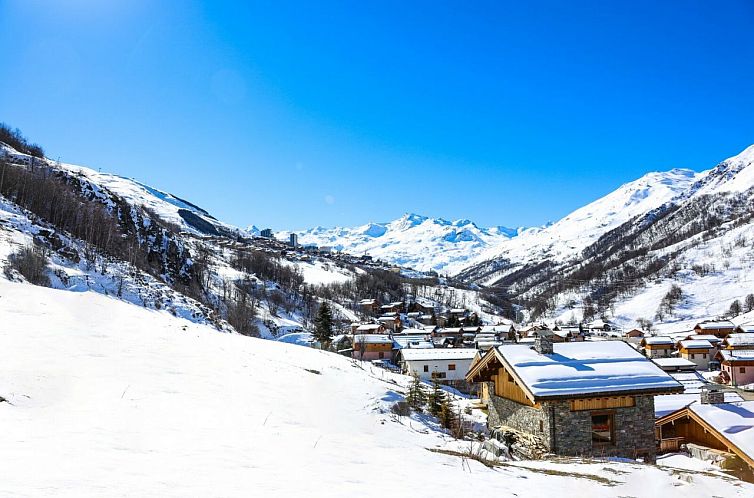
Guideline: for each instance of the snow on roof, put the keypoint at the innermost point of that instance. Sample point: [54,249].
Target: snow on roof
[450,330]
[669,403]
[696,344]
[659,340]
[438,354]
[720,324]
[368,326]
[673,362]
[372,339]
[746,328]
[584,368]
[457,310]
[744,339]
[713,339]
[737,355]
[732,420]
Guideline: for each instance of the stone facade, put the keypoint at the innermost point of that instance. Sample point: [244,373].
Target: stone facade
[569,433]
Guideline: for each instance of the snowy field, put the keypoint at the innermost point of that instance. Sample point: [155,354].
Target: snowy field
[110,399]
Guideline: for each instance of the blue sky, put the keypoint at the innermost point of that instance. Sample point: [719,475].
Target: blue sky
[299,114]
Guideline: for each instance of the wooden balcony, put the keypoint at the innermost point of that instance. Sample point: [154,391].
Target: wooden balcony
[671,444]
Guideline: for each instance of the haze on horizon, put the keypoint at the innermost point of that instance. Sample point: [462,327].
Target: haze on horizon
[293,115]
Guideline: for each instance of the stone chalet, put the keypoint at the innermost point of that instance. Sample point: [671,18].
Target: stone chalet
[577,399]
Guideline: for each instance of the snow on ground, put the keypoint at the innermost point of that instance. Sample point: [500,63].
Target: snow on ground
[110,399]
[320,273]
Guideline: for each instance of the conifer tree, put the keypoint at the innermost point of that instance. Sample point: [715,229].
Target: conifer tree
[323,325]
[446,415]
[435,398]
[416,396]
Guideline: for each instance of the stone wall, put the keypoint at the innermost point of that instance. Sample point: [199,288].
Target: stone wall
[567,432]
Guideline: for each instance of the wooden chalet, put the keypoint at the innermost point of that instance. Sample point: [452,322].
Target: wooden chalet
[576,398]
[369,347]
[738,341]
[711,424]
[719,328]
[657,346]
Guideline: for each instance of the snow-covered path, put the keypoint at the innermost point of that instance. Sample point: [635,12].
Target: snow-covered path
[110,399]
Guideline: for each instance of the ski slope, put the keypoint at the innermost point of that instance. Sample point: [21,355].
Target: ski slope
[105,398]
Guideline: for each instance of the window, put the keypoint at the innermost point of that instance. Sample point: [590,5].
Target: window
[541,426]
[742,370]
[438,375]
[692,356]
[704,356]
[510,378]
[602,428]
[426,368]
[382,355]
[451,366]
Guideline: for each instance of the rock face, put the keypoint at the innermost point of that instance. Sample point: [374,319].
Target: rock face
[559,430]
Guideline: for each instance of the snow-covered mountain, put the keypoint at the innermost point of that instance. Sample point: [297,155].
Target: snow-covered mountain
[620,255]
[568,237]
[413,240]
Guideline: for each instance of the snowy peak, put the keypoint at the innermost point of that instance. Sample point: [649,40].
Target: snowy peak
[413,240]
[735,174]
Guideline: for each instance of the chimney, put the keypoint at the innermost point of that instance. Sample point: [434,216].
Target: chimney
[543,342]
[712,396]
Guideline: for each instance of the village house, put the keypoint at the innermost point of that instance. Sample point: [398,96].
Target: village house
[576,399]
[745,328]
[738,341]
[712,430]
[394,307]
[658,346]
[719,328]
[369,328]
[447,337]
[634,334]
[369,306]
[391,322]
[448,366]
[369,347]
[697,351]
[736,366]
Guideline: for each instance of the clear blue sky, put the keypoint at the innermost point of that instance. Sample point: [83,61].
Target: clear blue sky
[299,114]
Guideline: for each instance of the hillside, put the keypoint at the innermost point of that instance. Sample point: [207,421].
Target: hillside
[697,233]
[108,398]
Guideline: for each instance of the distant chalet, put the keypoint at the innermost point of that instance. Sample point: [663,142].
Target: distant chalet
[578,399]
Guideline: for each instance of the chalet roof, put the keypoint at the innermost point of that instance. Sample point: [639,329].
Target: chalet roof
[411,343]
[581,369]
[389,318]
[438,354]
[715,324]
[736,355]
[495,329]
[450,330]
[456,311]
[713,339]
[746,328]
[372,339]
[671,403]
[673,363]
[696,344]
[368,327]
[365,302]
[734,340]
[731,420]
[658,341]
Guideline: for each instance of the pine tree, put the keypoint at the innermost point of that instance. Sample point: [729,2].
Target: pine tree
[323,325]
[435,398]
[416,397]
[446,415]
[749,302]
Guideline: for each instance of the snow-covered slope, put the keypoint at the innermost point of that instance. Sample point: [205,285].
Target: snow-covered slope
[413,241]
[566,238]
[168,207]
[109,399]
